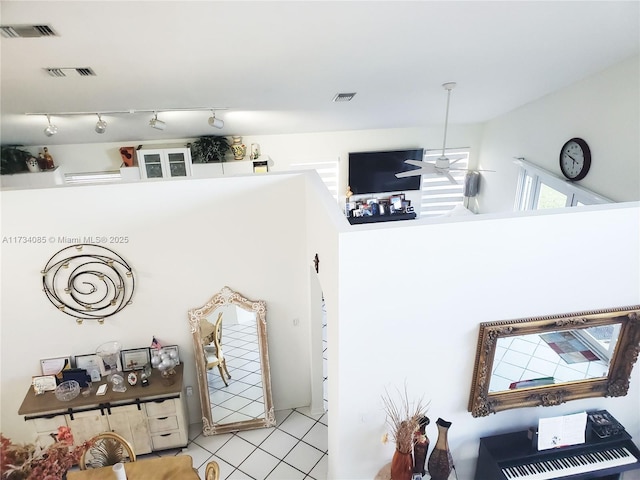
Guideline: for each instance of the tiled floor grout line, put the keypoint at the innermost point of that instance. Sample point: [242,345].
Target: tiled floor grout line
[298,439]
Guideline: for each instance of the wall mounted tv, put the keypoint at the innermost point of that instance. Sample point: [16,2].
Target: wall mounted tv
[374,172]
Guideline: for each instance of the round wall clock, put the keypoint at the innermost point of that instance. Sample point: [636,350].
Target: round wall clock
[575,159]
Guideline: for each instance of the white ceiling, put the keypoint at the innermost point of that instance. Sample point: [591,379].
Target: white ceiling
[276,66]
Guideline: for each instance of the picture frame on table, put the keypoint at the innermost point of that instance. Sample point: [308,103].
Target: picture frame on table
[43,383]
[54,366]
[135,358]
[107,368]
[92,364]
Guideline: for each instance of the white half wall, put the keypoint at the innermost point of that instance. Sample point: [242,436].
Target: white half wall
[412,296]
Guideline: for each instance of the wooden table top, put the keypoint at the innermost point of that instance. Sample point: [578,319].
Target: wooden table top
[160,468]
[48,403]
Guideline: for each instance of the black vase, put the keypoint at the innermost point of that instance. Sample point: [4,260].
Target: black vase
[440,461]
[420,447]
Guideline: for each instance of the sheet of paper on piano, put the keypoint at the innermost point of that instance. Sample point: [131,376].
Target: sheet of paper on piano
[562,431]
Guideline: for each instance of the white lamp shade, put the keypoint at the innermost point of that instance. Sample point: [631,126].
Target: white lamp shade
[216,122]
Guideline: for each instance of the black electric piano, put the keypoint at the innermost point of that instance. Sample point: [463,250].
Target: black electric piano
[513,456]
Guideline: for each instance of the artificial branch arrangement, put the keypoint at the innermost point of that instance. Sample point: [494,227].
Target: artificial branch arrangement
[403,419]
[33,462]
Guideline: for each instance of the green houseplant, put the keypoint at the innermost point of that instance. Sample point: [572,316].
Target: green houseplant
[13,159]
[211,148]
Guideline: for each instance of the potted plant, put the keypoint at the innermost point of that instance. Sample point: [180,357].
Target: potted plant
[211,148]
[13,159]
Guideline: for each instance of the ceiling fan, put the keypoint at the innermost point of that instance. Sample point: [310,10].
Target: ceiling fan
[443,164]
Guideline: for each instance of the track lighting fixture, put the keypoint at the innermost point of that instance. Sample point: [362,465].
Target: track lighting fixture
[155,123]
[215,122]
[101,125]
[51,129]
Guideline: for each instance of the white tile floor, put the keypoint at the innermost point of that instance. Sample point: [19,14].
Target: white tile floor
[296,449]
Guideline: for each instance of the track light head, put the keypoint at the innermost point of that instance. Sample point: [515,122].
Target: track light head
[51,129]
[215,122]
[101,125]
[157,124]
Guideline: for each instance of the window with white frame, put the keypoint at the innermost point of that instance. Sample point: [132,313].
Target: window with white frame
[439,195]
[539,189]
[328,172]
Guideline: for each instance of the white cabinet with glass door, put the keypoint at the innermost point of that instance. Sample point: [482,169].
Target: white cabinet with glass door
[164,162]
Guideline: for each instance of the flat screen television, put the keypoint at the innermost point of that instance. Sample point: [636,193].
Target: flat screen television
[374,172]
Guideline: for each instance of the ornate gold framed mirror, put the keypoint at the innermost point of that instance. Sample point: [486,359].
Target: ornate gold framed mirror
[545,361]
[232,361]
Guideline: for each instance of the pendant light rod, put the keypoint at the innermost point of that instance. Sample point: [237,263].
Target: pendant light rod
[448,87]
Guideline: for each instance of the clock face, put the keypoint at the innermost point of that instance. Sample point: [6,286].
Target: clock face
[575,159]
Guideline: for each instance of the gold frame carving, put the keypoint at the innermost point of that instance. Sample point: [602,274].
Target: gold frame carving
[615,384]
[226,296]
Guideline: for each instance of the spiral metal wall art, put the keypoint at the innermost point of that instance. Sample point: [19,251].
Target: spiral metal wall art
[88,282]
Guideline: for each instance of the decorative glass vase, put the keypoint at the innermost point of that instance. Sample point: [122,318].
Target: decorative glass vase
[401,465]
[109,352]
[440,461]
[238,148]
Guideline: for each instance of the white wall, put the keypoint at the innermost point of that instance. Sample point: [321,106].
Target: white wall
[603,109]
[187,239]
[411,299]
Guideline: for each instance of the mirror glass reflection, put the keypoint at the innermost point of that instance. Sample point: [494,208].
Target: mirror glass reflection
[235,392]
[230,344]
[553,357]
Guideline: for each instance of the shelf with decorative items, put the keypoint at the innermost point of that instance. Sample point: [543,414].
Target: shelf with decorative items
[151,417]
[245,166]
[21,169]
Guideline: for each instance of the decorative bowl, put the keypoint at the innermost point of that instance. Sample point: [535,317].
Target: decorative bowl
[67,391]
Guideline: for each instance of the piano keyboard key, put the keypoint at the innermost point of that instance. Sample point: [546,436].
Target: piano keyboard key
[571,465]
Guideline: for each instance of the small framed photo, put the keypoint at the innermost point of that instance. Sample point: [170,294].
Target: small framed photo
[43,383]
[107,369]
[92,364]
[260,166]
[135,358]
[55,366]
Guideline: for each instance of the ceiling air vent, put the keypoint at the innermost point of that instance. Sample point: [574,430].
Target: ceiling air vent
[64,72]
[27,31]
[344,97]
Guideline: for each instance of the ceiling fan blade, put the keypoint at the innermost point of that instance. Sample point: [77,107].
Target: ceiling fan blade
[456,158]
[411,173]
[417,163]
[451,179]
[472,169]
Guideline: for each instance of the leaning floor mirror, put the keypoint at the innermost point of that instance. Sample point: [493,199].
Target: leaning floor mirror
[232,362]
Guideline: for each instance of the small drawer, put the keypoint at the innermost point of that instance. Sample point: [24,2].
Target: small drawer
[167,440]
[45,425]
[163,424]
[161,407]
